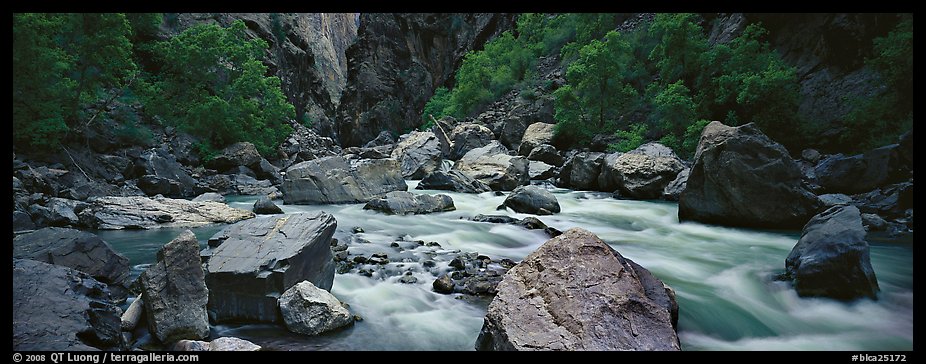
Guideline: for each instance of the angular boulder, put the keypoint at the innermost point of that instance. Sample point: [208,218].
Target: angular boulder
[674,189]
[466,137]
[238,154]
[418,154]
[546,153]
[452,181]
[310,310]
[740,177]
[220,344]
[174,292]
[859,173]
[832,257]
[138,212]
[577,293]
[642,173]
[255,261]
[532,200]
[264,206]
[581,171]
[540,170]
[493,166]
[333,180]
[535,134]
[163,171]
[58,308]
[403,203]
[75,249]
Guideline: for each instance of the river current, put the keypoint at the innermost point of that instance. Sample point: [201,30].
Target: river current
[723,277]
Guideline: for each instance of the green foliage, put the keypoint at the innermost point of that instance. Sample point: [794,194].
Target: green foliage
[437,107]
[680,47]
[588,27]
[486,75]
[691,138]
[277,27]
[629,139]
[212,85]
[674,109]
[878,121]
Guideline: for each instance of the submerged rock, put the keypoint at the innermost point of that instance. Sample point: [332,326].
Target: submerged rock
[452,181]
[310,310]
[532,200]
[740,177]
[256,260]
[137,212]
[174,292]
[577,293]
[74,249]
[832,257]
[58,308]
[333,180]
[402,203]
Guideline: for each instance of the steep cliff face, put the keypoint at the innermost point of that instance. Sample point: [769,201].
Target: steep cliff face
[829,52]
[306,52]
[397,62]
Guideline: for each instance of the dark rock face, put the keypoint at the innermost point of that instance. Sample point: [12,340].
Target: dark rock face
[257,260]
[403,203]
[58,308]
[577,293]
[335,180]
[466,137]
[581,171]
[674,189]
[546,153]
[264,206]
[310,310]
[452,181]
[642,173]
[114,213]
[740,177]
[162,173]
[22,222]
[397,63]
[859,173]
[384,138]
[418,154]
[890,201]
[532,200]
[493,166]
[305,144]
[529,223]
[75,249]
[174,292]
[832,257]
[238,154]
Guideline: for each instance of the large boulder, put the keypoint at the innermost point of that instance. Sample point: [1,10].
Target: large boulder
[452,181]
[577,293]
[642,173]
[310,310]
[174,292]
[257,260]
[335,180]
[546,153]
[860,173]
[58,308]
[238,154]
[832,257]
[493,166]
[403,203]
[418,154]
[264,206]
[466,137]
[580,172]
[532,200]
[75,249]
[137,212]
[220,344]
[535,134]
[164,174]
[740,177]
[539,170]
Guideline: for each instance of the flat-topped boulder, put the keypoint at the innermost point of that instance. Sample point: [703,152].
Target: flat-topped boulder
[333,180]
[403,203]
[75,249]
[138,212]
[255,261]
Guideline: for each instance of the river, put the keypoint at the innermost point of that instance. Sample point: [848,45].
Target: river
[723,278]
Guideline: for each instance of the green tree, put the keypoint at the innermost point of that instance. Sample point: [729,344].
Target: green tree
[438,106]
[674,109]
[212,85]
[681,46]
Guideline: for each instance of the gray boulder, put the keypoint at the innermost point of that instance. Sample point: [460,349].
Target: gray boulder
[535,134]
[22,222]
[859,173]
[75,249]
[174,292]
[137,212]
[832,257]
[418,154]
[532,200]
[740,177]
[164,172]
[546,153]
[452,181]
[264,206]
[493,166]
[56,212]
[335,180]
[58,308]
[642,173]
[577,293]
[238,154]
[580,172]
[256,260]
[466,137]
[403,203]
[674,189]
[210,197]
[309,310]
[220,344]
[155,185]
[540,170]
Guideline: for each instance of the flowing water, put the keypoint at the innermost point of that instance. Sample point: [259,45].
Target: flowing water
[723,278]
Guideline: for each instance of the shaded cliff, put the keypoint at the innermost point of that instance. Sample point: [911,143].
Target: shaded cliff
[397,62]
